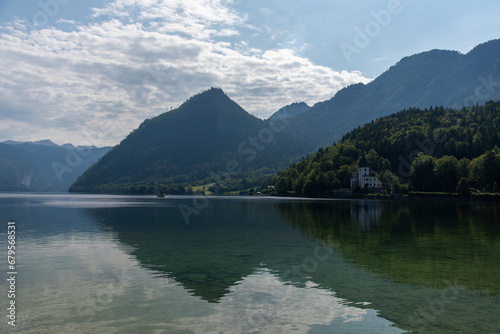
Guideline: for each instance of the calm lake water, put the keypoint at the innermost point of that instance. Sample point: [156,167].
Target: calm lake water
[126,264]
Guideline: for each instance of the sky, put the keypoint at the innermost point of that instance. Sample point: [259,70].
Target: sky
[88,72]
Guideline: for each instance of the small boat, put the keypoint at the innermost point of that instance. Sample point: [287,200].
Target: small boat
[160,194]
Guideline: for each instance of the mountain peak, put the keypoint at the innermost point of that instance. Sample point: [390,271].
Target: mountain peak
[212,103]
[216,90]
[209,93]
[207,135]
[46,142]
[487,47]
[433,57]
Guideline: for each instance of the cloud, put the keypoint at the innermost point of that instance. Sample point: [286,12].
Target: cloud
[93,82]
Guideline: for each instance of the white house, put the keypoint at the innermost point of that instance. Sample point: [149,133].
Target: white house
[366,179]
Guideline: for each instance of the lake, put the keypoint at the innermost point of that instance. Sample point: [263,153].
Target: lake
[139,264]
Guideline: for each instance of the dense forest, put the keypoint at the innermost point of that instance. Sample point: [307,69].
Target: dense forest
[430,150]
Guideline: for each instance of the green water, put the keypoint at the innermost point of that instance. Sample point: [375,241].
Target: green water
[125,264]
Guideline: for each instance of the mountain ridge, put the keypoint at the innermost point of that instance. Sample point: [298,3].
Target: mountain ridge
[431,78]
[191,144]
[209,132]
[43,165]
[290,110]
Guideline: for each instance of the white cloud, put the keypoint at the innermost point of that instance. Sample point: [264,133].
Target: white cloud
[137,58]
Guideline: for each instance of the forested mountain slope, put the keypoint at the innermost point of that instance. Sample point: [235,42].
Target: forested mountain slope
[428,150]
[207,139]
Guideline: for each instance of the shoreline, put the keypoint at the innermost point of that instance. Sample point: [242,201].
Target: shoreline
[411,196]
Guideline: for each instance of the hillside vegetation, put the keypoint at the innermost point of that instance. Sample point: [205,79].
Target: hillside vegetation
[415,149]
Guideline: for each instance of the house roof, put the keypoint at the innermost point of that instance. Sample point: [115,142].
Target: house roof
[363,162]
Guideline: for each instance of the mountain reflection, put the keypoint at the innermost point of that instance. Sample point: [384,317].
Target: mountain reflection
[395,257]
[216,250]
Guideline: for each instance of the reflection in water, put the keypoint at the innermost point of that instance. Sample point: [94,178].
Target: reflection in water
[366,213]
[266,304]
[440,259]
[256,265]
[83,271]
[412,243]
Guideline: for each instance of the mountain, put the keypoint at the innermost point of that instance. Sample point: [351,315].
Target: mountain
[290,111]
[433,78]
[425,150]
[208,139]
[212,140]
[43,165]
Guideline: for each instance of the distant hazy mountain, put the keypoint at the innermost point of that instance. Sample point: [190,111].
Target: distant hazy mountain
[208,139]
[290,111]
[433,78]
[43,165]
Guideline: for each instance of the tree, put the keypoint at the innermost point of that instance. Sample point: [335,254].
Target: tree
[476,173]
[463,187]
[372,157]
[344,175]
[491,167]
[447,173]
[298,184]
[389,181]
[484,170]
[422,177]
[282,185]
[464,167]
[383,164]
[311,186]
[332,182]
